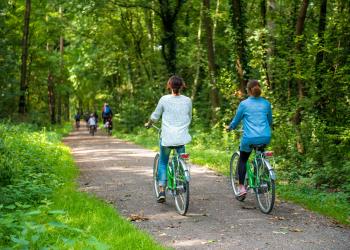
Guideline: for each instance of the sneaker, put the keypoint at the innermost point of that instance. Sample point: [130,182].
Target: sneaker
[161,197]
[242,190]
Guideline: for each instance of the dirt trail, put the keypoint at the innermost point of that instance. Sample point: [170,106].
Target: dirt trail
[121,173]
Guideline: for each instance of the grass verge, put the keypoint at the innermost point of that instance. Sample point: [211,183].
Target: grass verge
[333,205]
[40,206]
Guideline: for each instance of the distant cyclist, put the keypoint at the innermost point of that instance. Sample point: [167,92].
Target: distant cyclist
[256,114]
[109,125]
[92,122]
[77,120]
[106,112]
[176,112]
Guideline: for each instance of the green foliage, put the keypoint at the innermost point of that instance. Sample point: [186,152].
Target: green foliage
[40,207]
[334,205]
[114,52]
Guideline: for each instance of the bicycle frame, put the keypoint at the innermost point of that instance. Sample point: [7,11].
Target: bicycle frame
[174,161]
[172,165]
[252,170]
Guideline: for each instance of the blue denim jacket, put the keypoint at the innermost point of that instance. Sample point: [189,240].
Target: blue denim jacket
[256,114]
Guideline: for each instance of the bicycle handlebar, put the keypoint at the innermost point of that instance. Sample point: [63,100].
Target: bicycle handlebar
[154,126]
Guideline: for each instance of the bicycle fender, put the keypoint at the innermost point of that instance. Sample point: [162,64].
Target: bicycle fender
[187,171]
[271,170]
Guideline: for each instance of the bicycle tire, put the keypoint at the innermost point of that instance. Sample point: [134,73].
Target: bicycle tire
[234,179]
[92,130]
[265,192]
[155,175]
[182,194]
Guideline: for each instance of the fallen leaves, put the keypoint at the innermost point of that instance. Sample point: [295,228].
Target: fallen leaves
[278,218]
[296,230]
[286,229]
[137,217]
[248,207]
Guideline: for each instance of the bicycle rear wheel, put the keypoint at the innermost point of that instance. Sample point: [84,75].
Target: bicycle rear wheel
[182,194]
[265,191]
[92,130]
[234,176]
[155,175]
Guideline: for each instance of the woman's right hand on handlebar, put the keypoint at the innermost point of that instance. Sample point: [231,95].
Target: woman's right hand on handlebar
[148,124]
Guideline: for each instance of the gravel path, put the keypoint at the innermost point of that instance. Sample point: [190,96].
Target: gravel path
[121,173]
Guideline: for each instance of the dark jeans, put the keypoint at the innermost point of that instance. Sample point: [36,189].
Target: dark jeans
[243,158]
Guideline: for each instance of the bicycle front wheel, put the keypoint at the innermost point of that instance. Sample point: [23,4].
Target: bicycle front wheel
[182,194]
[155,175]
[265,191]
[234,178]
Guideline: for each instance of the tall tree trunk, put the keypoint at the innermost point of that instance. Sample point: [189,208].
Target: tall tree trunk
[214,93]
[271,47]
[299,32]
[320,56]
[66,107]
[215,20]
[298,115]
[149,17]
[51,95]
[199,55]
[238,23]
[321,31]
[149,24]
[60,92]
[169,14]
[264,42]
[290,41]
[51,87]
[23,83]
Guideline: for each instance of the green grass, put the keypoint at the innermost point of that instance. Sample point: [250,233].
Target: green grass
[40,206]
[333,205]
[101,224]
[98,220]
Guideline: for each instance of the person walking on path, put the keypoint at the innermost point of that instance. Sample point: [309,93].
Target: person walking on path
[176,112]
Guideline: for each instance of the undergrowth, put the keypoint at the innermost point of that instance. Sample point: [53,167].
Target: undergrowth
[40,207]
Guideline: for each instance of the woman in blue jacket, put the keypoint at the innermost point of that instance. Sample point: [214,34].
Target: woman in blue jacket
[256,114]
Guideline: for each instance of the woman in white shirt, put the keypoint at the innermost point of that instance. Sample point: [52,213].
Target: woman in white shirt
[176,112]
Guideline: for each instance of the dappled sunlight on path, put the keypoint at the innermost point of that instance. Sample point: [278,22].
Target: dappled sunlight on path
[121,173]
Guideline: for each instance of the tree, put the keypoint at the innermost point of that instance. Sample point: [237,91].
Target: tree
[23,83]
[169,14]
[298,47]
[214,93]
[241,59]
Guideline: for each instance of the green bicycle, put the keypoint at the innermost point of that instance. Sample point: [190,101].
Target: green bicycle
[178,178]
[260,177]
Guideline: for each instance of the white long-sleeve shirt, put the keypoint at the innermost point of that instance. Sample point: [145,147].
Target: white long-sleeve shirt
[92,121]
[176,112]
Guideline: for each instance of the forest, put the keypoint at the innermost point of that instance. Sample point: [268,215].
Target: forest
[58,58]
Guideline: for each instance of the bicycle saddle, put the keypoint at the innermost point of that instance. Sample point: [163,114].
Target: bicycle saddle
[258,147]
